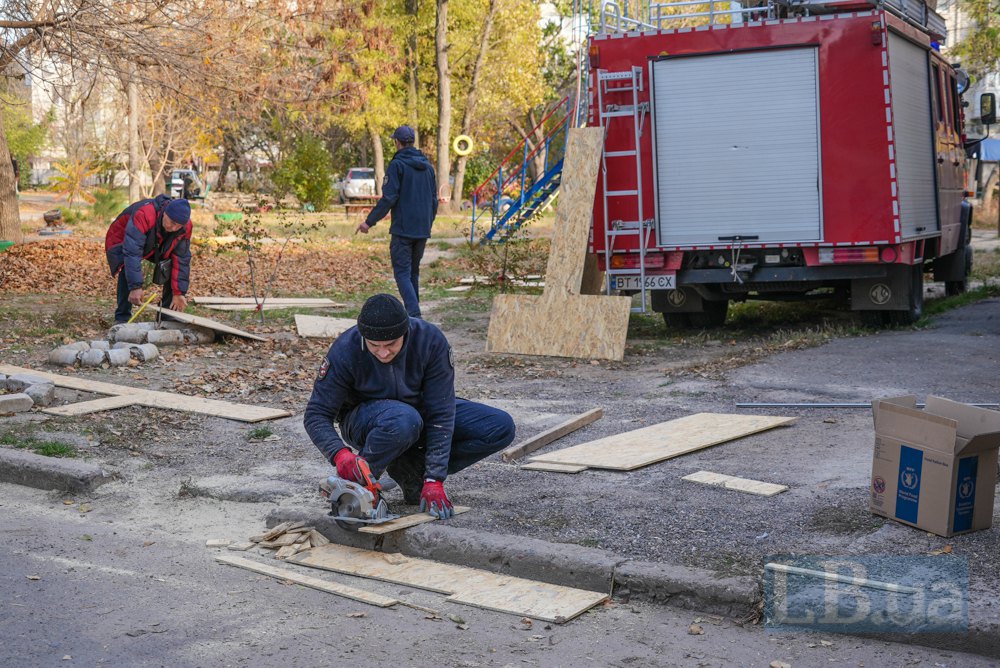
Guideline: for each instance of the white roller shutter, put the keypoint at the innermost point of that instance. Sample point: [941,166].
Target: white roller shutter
[737,147]
[914,138]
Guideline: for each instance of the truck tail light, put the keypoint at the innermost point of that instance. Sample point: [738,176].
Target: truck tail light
[631,261]
[848,255]
[877,33]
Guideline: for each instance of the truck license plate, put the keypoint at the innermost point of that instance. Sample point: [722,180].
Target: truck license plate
[657,282]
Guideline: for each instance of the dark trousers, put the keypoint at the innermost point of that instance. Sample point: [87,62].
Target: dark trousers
[124,310]
[406,254]
[384,429]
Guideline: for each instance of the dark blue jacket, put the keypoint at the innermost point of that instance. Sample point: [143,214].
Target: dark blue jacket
[421,375]
[410,193]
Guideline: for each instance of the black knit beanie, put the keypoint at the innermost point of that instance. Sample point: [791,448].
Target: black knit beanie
[383,318]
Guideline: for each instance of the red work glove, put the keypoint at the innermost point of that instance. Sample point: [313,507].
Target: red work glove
[347,464]
[434,500]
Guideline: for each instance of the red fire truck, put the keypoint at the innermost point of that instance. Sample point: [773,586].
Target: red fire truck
[786,151]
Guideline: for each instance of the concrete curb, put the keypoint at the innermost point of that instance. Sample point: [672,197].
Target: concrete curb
[31,470]
[556,563]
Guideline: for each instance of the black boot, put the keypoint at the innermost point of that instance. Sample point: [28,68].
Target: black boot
[408,471]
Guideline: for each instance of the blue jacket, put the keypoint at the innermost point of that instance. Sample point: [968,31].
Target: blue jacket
[409,191]
[421,375]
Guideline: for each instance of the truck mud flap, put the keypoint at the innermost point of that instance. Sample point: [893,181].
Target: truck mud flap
[887,293]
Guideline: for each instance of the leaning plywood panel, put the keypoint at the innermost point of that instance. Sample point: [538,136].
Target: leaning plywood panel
[405,522]
[642,447]
[550,603]
[320,327]
[205,322]
[309,581]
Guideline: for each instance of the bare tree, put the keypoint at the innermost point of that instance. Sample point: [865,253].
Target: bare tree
[444,97]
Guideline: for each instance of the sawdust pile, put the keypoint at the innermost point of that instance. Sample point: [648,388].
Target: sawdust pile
[77,267]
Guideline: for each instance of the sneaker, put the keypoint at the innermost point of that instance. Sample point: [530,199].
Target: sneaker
[408,472]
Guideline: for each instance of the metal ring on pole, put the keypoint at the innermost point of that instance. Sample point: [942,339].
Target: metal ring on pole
[462,145]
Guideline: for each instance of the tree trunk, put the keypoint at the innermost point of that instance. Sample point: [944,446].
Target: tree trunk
[412,10]
[444,100]
[134,186]
[379,158]
[470,101]
[156,165]
[10,217]
[220,182]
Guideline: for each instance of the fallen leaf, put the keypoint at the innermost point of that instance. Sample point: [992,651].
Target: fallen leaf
[780,664]
[695,630]
[357,614]
[148,543]
[34,577]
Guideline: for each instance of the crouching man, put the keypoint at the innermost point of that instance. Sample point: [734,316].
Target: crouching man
[389,385]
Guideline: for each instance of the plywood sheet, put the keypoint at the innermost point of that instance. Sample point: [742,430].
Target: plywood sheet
[581,326]
[739,484]
[95,406]
[205,322]
[549,435]
[642,447]
[73,382]
[309,581]
[319,301]
[465,585]
[405,522]
[321,327]
[266,307]
[554,468]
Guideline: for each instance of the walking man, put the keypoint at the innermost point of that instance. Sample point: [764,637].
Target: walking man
[409,193]
[389,385]
[157,230]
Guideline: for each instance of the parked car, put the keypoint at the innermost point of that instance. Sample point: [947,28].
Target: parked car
[358,184]
[185,183]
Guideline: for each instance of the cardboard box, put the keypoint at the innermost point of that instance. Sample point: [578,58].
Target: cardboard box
[936,468]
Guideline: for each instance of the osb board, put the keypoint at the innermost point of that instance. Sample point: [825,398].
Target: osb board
[577,188]
[593,277]
[94,406]
[319,301]
[252,307]
[205,322]
[554,468]
[156,399]
[582,326]
[470,586]
[642,447]
[320,327]
[739,484]
[539,441]
[309,581]
[405,522]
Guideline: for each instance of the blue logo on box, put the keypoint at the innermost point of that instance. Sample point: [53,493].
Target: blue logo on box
[911,462]
[866,594]
[965,493]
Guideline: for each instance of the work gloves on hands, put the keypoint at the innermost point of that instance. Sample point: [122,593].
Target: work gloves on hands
[347,464]
[434,500]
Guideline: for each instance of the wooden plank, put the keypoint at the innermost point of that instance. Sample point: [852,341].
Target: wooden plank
[205,322]
[563,321]
[93,406]
[470,586]
[405,522]
[554,468]
[738,484]
[320,327]
[157,399]
[532,599]
[550,435]
[319,301]
[659,442]
[352,593]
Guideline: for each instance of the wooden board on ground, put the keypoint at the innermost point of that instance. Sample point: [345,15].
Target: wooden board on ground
[471,586]
[266,307]
[666,440]
[563,321]
[554,468]
[205,322]
[309,581]
[319,301]
[151,398]
[739,484]
[405,522]
[550,435]
[321,327]
[94,406]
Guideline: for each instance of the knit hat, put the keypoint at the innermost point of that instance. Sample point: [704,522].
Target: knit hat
[178,210]
[383,318]
[405,134]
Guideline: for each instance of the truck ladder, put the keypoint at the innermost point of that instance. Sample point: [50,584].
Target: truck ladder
[628,81]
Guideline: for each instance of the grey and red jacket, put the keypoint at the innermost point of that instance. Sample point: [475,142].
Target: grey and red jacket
[137,234]
[421,375]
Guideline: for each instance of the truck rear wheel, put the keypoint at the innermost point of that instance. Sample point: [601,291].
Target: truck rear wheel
[915,308]
[952,288]
[712,315]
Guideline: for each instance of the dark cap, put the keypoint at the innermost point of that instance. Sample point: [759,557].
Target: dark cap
[178,210]
[405,134]
[383,318]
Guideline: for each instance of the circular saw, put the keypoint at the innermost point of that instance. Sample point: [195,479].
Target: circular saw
[354,504]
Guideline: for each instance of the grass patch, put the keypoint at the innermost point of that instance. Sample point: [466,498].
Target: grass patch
[39,446]
[939,306]
[260,433]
